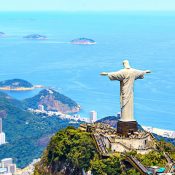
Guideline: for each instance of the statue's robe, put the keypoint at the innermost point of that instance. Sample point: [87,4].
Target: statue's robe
[127,78]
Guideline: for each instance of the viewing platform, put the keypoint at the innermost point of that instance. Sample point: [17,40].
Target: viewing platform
[108,141]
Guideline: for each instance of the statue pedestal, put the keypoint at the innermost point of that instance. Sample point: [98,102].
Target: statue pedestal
[127,127]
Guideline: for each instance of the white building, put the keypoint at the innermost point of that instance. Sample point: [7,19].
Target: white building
[2,138]
[93,116]
[5,162]
[0,125]
[2,134]
[41,107]
[7,167]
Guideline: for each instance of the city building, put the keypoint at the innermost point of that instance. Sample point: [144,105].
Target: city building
[2,134]
[93,116]
[0,125]
[7,167]
[41,107]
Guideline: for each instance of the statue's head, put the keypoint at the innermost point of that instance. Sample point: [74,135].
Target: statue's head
[126,64]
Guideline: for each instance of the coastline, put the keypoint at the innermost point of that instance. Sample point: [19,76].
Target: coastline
[161,132]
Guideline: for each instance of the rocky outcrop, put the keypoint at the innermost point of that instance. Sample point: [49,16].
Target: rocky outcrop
[52,101]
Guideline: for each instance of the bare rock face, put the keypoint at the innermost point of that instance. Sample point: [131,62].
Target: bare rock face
[53,101]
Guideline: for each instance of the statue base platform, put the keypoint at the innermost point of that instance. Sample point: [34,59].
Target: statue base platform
[127,127]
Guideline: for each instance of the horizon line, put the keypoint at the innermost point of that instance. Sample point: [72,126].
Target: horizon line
[85,11]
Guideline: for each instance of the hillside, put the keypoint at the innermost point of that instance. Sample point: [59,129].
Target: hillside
[111,120]
[71,150]
[52,101]
[27,135]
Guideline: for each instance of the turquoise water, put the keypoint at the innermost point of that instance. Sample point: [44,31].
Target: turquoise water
[146,39]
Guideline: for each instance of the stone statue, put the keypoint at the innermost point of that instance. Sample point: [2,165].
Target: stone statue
[126,76]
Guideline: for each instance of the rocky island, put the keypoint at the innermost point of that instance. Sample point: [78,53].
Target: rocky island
[83,41]
[52,100]
[17,85]
[35,37]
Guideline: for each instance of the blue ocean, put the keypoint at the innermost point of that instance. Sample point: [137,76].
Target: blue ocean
[147,40]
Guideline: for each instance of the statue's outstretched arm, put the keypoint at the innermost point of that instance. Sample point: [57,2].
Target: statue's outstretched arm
[147,71]
[104,73]
[119,75]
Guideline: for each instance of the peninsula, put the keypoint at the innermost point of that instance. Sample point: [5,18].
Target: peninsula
[83,41]
[53,101]
[17,85]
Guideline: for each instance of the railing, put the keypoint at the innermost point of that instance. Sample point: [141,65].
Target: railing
[99,144]
[170,164]
[135,163]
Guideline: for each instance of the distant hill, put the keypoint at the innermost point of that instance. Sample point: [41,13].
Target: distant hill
[83,41]
[111,120]
[35,37]
[27,135]
[52,101]
[17,85]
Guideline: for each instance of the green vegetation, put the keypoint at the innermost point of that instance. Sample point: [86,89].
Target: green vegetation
[109,166]
[27,135]
[15,83]
[72,150]
[132,171]
[153,158]
[164,146]
[69,149]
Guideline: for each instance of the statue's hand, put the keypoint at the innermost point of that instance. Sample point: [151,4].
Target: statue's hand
[104,73]
[147,71]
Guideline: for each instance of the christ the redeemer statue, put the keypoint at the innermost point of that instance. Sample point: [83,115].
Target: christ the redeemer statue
[126,76]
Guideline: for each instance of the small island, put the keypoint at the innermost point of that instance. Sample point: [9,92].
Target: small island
[83,41]
[17,85]
[2,34]
[35,37]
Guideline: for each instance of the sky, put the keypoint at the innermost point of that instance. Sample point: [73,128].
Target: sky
[87,5]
